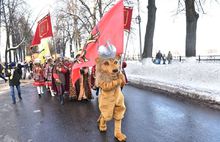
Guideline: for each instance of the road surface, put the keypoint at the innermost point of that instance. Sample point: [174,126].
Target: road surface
[150,117]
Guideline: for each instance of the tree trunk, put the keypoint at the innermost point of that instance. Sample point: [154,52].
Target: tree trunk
[148,43]
[24,54]
[100,8]
[71,45]
[191,26]
[7,51]
[94,13]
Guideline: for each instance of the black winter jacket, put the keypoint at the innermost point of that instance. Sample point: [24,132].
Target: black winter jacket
[14,77]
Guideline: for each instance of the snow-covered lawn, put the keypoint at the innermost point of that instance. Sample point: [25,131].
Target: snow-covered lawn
[189,78]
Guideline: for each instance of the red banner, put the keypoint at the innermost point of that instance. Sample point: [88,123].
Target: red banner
[127,18]
[44,30]
[109,29]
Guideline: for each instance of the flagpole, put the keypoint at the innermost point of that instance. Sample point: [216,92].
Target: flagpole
[126,45]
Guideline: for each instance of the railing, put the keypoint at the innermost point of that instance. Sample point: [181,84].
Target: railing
[209,58]
[199,58]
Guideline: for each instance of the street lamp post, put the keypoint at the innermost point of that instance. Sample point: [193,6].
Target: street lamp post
[138,19]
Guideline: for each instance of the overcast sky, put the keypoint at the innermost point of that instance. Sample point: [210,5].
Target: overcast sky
[169,29]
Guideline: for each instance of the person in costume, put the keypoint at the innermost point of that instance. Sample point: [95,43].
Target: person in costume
[94,87]
[124,65]
[59,79]
[48,75]
[75,88]
[38,75]
[110,79]
[72,89]
[85,85]
[67,66]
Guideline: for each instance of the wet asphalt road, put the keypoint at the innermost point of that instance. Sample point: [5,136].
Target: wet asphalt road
[150,117]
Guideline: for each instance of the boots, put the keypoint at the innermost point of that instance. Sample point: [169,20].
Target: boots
[39,96]
[117,132]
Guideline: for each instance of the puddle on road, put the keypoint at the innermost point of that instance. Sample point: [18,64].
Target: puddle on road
[36,111]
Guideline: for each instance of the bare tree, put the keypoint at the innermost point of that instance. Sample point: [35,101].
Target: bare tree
[15,21]
[149,35]
[192,9]
[191,27]
[79,17]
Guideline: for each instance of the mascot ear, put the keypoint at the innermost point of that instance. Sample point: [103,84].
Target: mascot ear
[97,60]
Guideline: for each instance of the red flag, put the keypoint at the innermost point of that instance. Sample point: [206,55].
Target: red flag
[44,30]
[36,39]
[127,18]
[109,29]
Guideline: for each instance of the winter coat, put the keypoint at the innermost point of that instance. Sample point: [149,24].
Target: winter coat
[14,76]
[169,57]
[159,56]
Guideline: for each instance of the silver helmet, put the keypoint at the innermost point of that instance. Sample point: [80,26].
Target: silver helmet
[107,51]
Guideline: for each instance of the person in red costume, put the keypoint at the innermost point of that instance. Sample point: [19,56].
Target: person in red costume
[68,66]
[48,75]
[94,87]
[85,85]
[59,72]
[124,65]
[74,89]
[38,75]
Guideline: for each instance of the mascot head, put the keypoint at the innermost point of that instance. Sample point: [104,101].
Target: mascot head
[107,62]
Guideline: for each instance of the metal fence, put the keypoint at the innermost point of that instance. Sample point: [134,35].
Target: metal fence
[199,58]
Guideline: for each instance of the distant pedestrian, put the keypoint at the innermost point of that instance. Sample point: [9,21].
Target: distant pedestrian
[14,74]
[158,57]
[30,69]
[169,57]
[24,69]
[164,59]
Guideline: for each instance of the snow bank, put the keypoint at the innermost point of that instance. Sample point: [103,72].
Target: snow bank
[190,78]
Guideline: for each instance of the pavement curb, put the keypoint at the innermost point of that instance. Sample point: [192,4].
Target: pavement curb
[5,86]
[180,93]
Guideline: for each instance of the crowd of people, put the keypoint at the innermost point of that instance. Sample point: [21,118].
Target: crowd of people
[52,77]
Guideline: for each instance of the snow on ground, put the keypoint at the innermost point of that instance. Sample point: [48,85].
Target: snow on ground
[189,78]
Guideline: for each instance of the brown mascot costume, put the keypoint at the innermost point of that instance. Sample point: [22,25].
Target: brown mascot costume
[110,80]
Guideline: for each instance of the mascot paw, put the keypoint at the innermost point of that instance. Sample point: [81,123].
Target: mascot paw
[120,137]
[102,128]
[102,124]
